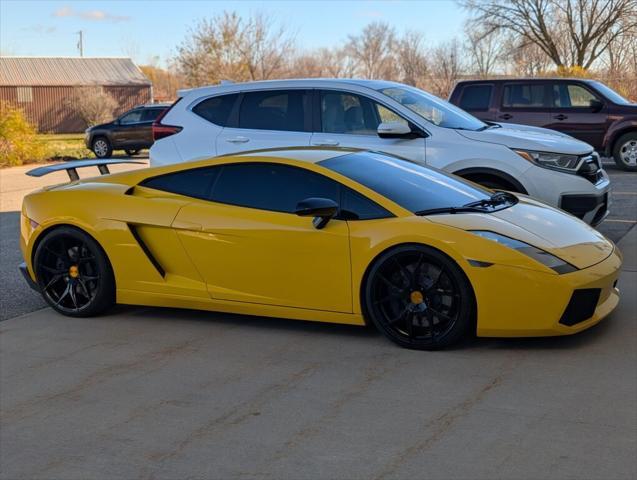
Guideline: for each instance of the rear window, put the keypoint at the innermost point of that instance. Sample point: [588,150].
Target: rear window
[523,95]
[196,183]
[476,97]
[216,109]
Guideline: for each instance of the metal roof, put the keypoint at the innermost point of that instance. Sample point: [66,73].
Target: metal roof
[69,71]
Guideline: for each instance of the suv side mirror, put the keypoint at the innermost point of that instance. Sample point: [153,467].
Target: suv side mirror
[322,209]
[394,130]
[596,105]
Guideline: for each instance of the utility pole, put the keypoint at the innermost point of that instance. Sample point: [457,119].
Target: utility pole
[80,43]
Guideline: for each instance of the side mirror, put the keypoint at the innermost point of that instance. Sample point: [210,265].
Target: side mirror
[596,105]
[322,209]
[393,130]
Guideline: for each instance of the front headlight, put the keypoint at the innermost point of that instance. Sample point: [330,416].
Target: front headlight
[557,161]
[545,258]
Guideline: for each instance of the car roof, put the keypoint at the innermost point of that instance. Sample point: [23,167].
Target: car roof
[526,79]
[289,83]
[304,154]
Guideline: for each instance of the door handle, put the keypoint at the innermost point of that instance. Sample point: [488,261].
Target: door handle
[561,117]
[326,143]
[506,116]
[238,139]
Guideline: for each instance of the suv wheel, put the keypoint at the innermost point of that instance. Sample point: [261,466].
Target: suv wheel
[131,152]
[102,147]
[625,151]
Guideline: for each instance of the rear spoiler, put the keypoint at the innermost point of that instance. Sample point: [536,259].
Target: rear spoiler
[71,167]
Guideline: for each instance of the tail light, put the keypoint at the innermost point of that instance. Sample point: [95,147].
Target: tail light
[162,131]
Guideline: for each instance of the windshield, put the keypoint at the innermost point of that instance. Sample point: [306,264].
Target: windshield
[611,94]
[411,186]
[433,109]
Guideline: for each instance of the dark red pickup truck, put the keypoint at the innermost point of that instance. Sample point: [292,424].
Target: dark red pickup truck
[585,109]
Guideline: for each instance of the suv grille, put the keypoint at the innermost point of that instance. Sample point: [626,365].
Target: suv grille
[591,169]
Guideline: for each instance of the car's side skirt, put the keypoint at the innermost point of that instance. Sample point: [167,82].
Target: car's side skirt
[135,297]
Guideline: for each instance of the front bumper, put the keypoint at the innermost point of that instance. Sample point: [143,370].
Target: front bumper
[27,276]
[591,208]
[534,304]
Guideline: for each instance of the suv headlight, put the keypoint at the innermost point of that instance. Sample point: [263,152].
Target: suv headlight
[556,161]
[545,258]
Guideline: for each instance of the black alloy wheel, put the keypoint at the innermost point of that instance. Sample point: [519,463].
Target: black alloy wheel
[419,298]
[73,273]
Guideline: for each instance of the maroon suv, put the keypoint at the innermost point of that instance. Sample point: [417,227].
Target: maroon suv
[586,109]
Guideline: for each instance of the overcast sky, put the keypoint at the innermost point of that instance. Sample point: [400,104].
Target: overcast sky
[147,29]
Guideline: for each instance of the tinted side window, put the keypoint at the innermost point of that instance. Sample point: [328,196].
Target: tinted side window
[151,114]
[269,186]
[570,95]
[196,183]
[523,96]
[343,112]
[274,110]
[131,117]
[476,97]
[216,109]
[357,207]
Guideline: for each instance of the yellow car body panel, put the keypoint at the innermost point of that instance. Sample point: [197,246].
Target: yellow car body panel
[233,259]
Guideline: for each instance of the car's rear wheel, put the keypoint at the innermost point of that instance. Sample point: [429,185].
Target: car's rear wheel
[101,147]
[130,152]
[419,298]
[73,273]
[625,151]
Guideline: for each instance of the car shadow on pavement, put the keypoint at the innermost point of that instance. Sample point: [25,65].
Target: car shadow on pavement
[255,323]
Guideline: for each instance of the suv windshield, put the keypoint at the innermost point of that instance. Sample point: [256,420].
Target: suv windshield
[611,94]
[421,190]
[434,110]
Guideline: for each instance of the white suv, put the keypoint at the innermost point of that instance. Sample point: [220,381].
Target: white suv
[388,117]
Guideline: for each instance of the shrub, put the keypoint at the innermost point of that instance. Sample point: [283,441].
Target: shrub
[18,138]
[93,105]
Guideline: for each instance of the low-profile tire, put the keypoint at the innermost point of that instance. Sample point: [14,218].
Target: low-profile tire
[101,147]
[73,273]
[625,152]
[419,298]
[130,152]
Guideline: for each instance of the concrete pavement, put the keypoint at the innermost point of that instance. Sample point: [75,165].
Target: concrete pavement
[151,393]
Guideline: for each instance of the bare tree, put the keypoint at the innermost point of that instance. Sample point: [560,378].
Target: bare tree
[446,67]
[373,51]
[228,47]
[486,49]
[411,58]
[572,33]
[93,105]
[525,59]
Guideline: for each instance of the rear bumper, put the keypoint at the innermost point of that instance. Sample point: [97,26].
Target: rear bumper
[27,276]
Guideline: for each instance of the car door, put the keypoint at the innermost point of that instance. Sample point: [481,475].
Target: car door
[346,119]
[476,99]
[525,103]
[126,133]
[250,246]
[268,119]
[579,112]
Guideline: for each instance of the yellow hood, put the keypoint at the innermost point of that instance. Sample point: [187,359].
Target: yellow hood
[543,227]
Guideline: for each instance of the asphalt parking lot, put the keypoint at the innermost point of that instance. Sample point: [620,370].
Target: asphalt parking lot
[163,393]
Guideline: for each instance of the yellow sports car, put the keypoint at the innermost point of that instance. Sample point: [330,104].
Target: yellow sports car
[328,235]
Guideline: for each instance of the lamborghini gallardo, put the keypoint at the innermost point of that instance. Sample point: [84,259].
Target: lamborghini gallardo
[329,235]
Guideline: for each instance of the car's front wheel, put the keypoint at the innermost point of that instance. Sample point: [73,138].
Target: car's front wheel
[101,147]
[625,151]
[73,273]
[419,298]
